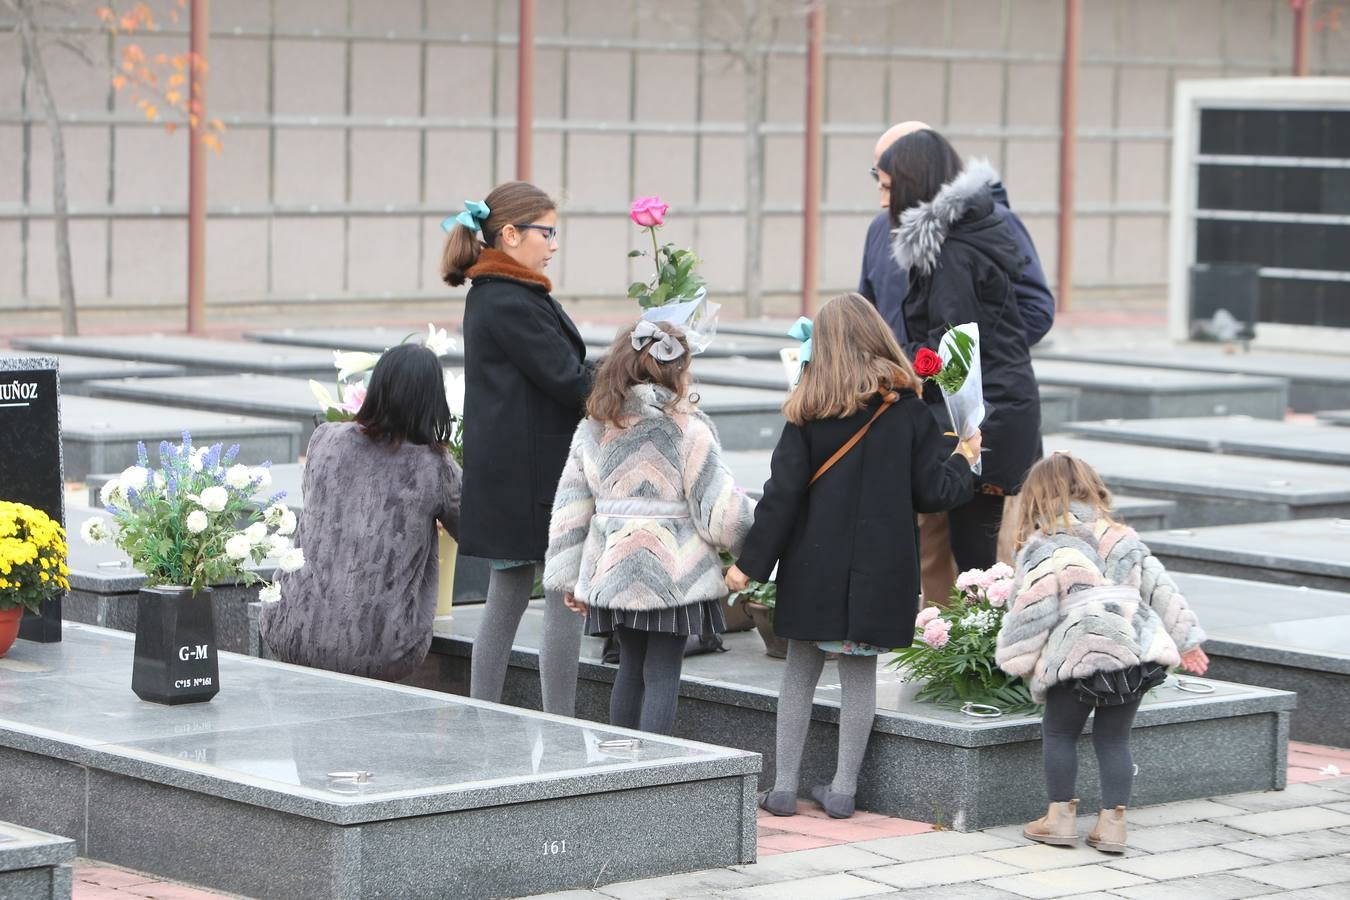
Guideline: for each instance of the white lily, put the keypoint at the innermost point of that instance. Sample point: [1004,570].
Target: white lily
[353,362]
[454,393]
[438,341]
[321,394]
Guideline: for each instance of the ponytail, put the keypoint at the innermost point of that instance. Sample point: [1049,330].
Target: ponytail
[461,252]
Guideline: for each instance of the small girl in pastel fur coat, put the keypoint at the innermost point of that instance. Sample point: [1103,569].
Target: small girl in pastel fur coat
[642,509]
[1095,622]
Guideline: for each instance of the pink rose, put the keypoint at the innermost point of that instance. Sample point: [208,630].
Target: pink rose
[352,398]
[994,573]
[999,593]
[971,578]
[648,212]
[926,615]
[937,633]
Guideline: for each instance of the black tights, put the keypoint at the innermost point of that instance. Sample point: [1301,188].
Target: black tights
[973,527]
[647,687]
[1065,716]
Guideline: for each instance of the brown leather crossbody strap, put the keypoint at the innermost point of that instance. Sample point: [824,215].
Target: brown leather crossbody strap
[886,404]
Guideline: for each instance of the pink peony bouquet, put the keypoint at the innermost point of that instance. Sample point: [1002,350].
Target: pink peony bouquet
[953,649]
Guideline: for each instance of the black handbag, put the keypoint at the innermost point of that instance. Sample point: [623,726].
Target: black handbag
[1120,687]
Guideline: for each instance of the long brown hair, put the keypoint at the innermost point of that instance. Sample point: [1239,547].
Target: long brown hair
[853,355]
[1051,486]
[624,367]
[513,203]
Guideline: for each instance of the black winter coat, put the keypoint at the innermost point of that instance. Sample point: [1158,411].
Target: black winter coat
[846,547]
[525,386]
[961,255]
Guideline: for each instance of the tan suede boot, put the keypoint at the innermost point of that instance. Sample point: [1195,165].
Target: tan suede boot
[1109,834]
[1059,825]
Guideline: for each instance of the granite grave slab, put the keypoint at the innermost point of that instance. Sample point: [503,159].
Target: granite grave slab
[197,355]
[770,328]
[372,339]
[724,346]
[751,468]
[1291,638]
[1308,553]
[1188,745]
[328,786]
[101,435]
[746,419]
[77,371]
[1335,417]
[1315,381]
[34,865]
[1216,489]
[1132,392]
[1241,435]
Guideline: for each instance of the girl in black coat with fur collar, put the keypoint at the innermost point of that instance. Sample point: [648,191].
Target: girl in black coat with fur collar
[841,530]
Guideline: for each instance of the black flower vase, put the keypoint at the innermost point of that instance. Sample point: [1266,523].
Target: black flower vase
[175,658]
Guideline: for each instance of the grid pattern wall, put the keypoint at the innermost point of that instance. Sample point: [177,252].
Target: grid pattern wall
[355,125]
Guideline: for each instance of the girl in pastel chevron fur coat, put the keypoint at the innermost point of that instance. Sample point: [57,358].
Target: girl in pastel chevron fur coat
[1095,622]
[643,507]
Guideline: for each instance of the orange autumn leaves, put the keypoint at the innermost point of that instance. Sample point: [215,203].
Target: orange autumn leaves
[165,87]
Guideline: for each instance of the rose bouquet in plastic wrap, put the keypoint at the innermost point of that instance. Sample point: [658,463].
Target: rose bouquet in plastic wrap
[676,293]
[953,649]
[955,368]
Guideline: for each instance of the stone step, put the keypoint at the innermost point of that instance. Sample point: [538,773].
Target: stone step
[35,865]
[1241,435]
[100,435]
[732,698]
[338,787]
[1216,489]
[1304,553]
[1315,381]
[1125,392]
[199,356]
[1290,638]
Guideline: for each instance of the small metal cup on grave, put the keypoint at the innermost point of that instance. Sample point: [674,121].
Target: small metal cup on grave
[30,458]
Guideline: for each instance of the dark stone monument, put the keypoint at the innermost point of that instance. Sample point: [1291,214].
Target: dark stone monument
[30,458]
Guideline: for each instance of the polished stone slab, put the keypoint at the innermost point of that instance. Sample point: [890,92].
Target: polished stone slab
[1188,745]
[76,371]
[459,798]
[100,435]
[34,865]
[1316,381]
[1241,435]
[769,328]
[371,339]
[1309,553]
[723,346]
[1216,489]
[197,355]
[1294,639]
[751,469]
[745,418]
[1335,417]
[1058,405]
[1129,392]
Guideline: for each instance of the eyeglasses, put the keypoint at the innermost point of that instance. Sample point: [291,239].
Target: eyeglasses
[549,231]
[876,175]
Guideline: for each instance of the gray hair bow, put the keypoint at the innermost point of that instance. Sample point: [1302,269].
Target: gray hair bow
[664,347]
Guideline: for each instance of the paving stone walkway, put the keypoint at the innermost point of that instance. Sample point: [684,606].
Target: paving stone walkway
[1293,843]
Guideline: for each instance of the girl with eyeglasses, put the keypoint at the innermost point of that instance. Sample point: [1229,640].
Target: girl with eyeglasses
[526,381]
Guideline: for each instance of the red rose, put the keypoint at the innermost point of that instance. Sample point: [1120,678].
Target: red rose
[927,363]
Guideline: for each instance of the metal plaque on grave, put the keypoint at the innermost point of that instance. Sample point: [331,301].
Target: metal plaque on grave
[30,458]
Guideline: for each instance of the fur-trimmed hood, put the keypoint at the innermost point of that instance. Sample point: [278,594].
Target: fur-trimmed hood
[963,207]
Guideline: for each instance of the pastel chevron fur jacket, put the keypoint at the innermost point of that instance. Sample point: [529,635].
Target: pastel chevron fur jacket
[641,511]
[1048,637]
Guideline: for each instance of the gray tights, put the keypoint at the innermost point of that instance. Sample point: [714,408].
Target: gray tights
[647,687]
[1064,719]
[858,705]
[508,596]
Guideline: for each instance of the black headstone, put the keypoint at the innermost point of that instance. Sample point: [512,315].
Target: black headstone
[30,458]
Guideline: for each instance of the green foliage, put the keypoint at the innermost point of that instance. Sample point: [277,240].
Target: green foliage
[953,374]
[675,280]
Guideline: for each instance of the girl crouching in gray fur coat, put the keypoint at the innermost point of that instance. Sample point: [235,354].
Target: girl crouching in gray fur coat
[642,508]
[1095,623]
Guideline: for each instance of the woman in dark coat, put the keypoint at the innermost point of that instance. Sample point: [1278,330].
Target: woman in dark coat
[525,385]
[961,256]
[848,567]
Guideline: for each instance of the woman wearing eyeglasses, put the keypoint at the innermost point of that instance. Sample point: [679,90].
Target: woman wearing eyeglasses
[526,381]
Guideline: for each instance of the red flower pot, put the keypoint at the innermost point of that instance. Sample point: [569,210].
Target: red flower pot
[9,627]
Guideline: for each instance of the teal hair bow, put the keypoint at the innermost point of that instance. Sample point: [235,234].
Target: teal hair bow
[801,330]
[474,212]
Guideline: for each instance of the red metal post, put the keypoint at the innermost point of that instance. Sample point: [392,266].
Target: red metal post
[525,93]
[196,264]
[1300,37]
[815,87]
[1068,123]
